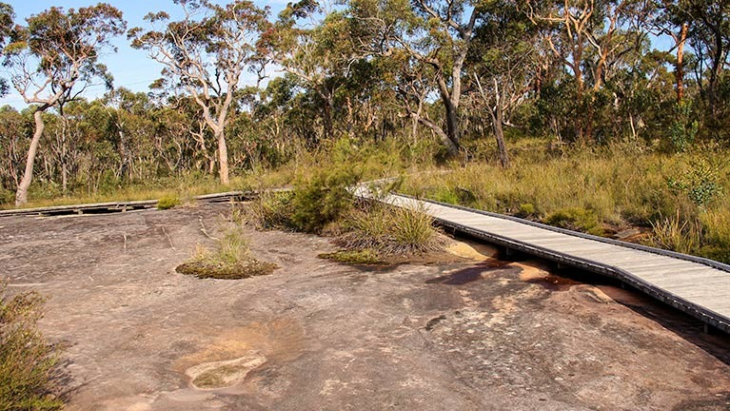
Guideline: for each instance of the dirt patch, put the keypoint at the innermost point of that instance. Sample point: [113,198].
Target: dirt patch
[469,333]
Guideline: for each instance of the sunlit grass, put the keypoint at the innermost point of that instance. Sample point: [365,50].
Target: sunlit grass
[600,191]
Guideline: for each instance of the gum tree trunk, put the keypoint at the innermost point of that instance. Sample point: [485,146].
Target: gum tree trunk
[222,157]
[21,196]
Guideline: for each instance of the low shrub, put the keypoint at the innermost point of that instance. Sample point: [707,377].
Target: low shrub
[700,182]
[526,210]
[167,202]
[577,219]
[27,361]
[322,198]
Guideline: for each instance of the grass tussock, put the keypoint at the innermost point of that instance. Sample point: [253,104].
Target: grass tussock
[270,211]
[27,361]
[386,230]
[231,260]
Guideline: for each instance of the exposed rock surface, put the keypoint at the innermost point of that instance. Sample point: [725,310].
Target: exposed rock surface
[316,335]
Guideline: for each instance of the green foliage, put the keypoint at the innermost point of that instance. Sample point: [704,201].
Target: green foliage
[168,202]
[6,196]
[526,210]
[700,183]
[684,127]
[27,361]
[578,219]
[231,260]
[445,195]
[323,198]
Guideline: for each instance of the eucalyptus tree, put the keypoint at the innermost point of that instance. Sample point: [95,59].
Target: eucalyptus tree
[206,54]
[709,38]
[53,58]
[592,38]
[315,44]
[6,24]
[432,38]
[505,67]
[671,21]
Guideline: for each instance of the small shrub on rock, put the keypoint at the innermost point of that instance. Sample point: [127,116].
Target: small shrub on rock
[168,202]
[323,198]
[27,361]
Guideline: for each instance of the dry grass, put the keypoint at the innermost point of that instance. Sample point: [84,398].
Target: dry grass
[389,231]
[600,190]
[271,210]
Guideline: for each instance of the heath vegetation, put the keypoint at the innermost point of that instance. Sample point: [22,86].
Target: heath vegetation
[29,364]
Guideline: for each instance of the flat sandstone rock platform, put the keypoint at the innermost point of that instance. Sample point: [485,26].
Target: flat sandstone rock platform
[317,335]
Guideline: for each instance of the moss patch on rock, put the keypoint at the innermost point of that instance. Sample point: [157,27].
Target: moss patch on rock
[250,268]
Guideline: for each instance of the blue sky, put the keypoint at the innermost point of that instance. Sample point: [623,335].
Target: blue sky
[131,68]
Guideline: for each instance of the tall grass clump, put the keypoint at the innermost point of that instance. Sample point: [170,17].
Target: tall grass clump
[27,361]
[230,260]
[675,234]
[389,231]
[271,210]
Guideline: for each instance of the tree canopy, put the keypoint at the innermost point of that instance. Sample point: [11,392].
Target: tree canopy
[450,73]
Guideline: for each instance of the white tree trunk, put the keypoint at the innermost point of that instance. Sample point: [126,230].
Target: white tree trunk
[21,196]
[222,157]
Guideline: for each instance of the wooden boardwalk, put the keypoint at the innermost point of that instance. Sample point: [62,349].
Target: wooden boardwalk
[697,286]
[117,206]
